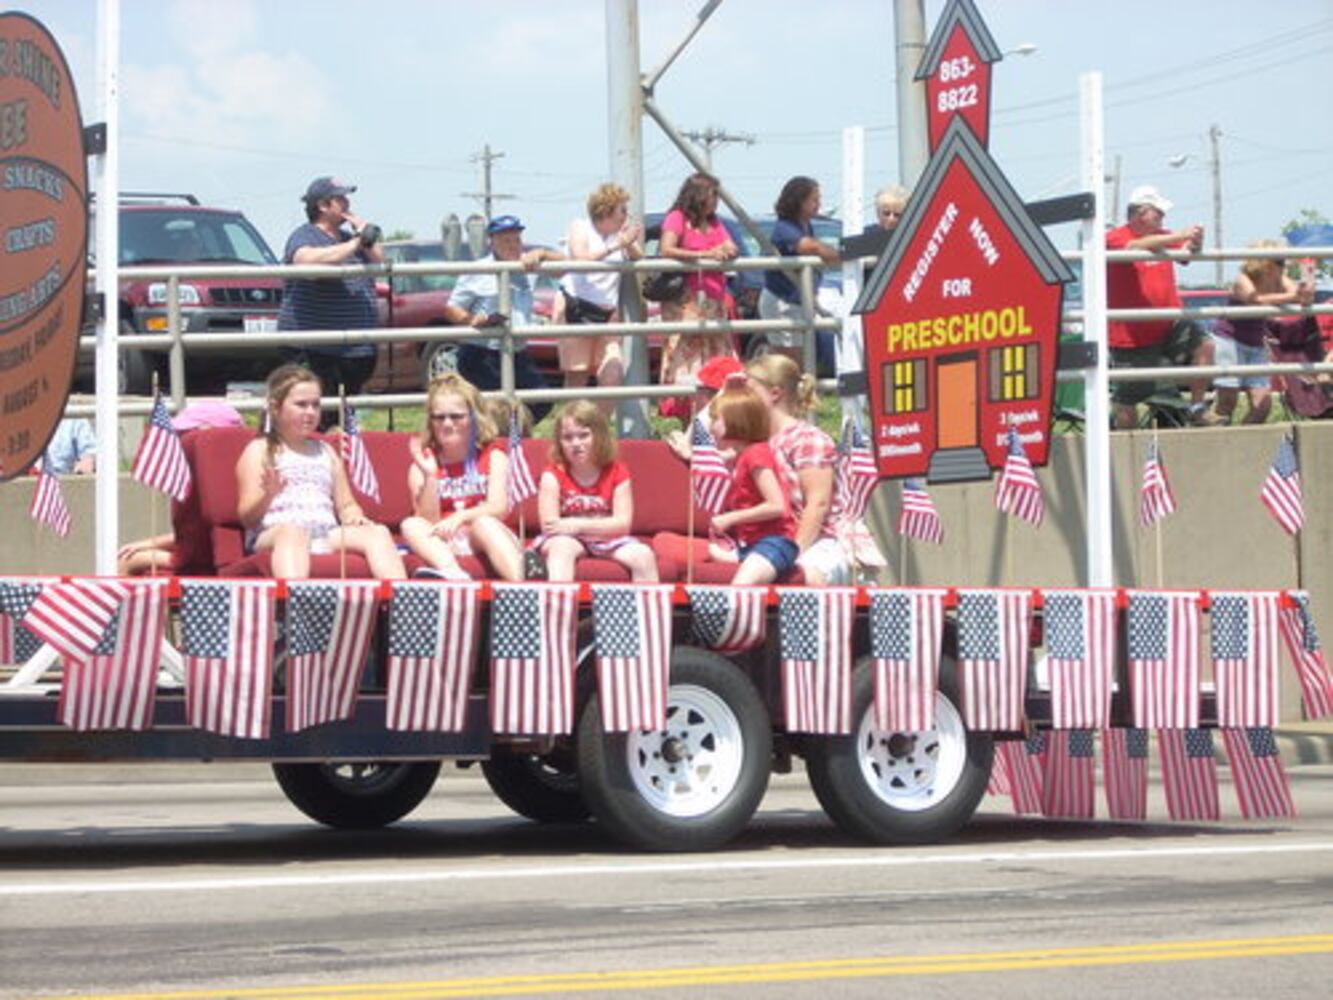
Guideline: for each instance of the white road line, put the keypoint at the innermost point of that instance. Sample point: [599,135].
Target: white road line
[563,871]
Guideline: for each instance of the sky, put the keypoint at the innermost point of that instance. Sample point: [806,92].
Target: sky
[243,102]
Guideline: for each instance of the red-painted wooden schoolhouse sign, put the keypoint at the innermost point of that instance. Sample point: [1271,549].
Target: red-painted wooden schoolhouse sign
[957,69]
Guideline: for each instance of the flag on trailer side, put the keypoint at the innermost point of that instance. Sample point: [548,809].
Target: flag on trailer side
[1017,491]
[906,629]
[73,617]
[709,476]
[1125,772]
[728,619]
[815,633]
[1256,771]
[329,626]
[1080,630]
[1189,773]
[1245,652]
[532,658]
[993,657]
[227,634]
[18,643]
[1156,500]
[48,505]
[1281,491]
[1163,639]
[918,518]
[1069,783]
[160,461]
[632,636]
[1024,762]
[1302,639]
[360,470]
[520,485]
[857,474]
[113,685]
[432,646]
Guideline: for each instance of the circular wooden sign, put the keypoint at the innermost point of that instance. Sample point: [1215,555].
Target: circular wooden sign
[43,238]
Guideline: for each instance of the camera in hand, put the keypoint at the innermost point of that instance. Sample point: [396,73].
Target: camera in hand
[370,234]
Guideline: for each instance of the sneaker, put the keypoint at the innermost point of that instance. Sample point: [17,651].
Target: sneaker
[534,566]
[454,574]
[1201,416]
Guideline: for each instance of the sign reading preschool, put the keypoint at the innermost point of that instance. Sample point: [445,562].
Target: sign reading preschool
[43,238]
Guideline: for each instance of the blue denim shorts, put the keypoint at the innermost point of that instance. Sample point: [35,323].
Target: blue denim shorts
[780,551]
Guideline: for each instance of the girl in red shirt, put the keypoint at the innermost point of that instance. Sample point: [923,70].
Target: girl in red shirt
[584,499]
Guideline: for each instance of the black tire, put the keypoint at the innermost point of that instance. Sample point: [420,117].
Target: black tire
[438,359]
[357,796]
[901,788]
[543,789]
[695,784]
[134,373]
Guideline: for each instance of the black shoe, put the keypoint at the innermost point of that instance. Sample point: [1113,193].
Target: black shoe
[534,566]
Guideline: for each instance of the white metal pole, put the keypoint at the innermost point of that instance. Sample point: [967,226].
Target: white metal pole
[909,29]
[107,239]
[1097,434]
[851,353]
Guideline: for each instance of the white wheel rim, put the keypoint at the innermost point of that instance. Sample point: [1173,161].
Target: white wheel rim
[912,772]
[689,767]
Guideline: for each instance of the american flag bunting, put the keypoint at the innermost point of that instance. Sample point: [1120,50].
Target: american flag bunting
[728,619]
[1156,501]
[1281,492]
[1080,630]
[815,633]
[1125,772]
[1017,491]
[433,636]
[1257,773]
[906,629]
[18,644]
[227,636]
[857,474]
[918,518]
[48,505]
[73,617]
[1302,640]
[160,461]
[532,658]
[520,485]
[360,470]
[709,476]
[1069,781]
[993,657]
[1024,763]
[632,638]
[329,627]
[1245,655]
[1189,773]
[1163,638]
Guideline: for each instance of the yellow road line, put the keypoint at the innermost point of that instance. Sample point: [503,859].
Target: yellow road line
[774,972]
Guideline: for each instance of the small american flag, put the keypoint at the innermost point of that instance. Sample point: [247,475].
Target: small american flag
[520,485]
[906,628]
[1256,771]
[1156,500]
[632,635]
[227,635]
[815,633]
[1017,491]
[1024,762]
[1189,772]
[919,519]
[1245,654]
[532,658]
[728,619]
[993,657]
[1281,492]
[329,625]
[432,646]
[160,461]
[360,470]
[1080,628]
[18,644]
[1069,784]
[1125,772]
[48,505]
[1302,639]
[857,474]
[709,474]
[113,685]
[1164,659]
[73,617]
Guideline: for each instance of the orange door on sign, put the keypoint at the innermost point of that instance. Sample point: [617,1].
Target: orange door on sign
[957,413]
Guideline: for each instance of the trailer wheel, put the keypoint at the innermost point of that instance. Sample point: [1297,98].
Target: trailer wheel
[357,796]
[544,789]
[694,784]
[901,787]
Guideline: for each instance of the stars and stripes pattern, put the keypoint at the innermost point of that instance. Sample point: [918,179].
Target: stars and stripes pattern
[1017,491]
[1080,630]
[857,474]
[360,470]
[329,627]
[73,617]
[433,635]
[632,638]
[18,644]
[1163,638]
[1156,501]
[1281,492]
[1125,772]
[1257,773]
[1245,653]
[906,628]
[227,635]
[709,476]
[521,485]
[48,505]
[918,518]
[1069,782]
[113,685]
[1024,764]
[1302,640]
[1189,773]
[728,619]
[992,657]
[815,635]
[532,658]
[160,462]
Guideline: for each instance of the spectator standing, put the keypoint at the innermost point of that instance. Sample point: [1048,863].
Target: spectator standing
[793,236]
[1151,284]
[332,234]
[72,449]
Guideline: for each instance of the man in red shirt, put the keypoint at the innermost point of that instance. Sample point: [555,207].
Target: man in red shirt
[1151,284]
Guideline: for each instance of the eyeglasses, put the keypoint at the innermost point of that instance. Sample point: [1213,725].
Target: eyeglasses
[456,418]
[890,211]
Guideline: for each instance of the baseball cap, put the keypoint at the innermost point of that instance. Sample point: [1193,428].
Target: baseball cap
[713,374]
[326,187]
[1150,196]
[504,224]
[206,413]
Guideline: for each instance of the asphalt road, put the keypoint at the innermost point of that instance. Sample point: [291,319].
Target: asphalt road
[200,881]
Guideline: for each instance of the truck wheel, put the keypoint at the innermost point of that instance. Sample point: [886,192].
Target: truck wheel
[544,789]
[438,359]
[900,787]
[692,785]
[357,796]
[134,373]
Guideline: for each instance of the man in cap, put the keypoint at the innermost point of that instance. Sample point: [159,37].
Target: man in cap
[475,302]
[332,235]
[1151,284]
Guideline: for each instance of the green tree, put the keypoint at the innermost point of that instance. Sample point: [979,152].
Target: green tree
[401,234]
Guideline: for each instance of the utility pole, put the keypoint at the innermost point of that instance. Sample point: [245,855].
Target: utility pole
[486,196]
[1214,134]
[909,29]
[712,137]
[1113,178]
